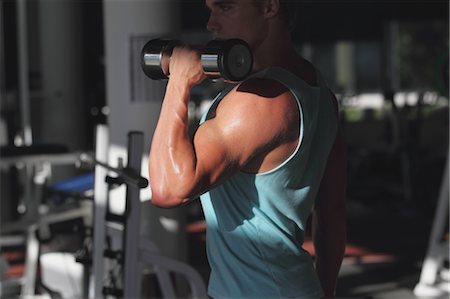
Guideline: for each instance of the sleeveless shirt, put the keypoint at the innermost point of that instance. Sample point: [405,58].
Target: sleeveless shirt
[256,222]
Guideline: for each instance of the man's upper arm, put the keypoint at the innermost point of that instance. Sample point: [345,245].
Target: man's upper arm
[242,128]
[216,155]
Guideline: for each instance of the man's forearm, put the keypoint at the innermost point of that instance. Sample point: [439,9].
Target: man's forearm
[329,241]
[172,157]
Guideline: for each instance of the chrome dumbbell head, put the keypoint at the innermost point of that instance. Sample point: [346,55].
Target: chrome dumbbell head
[231,59]
[155,57]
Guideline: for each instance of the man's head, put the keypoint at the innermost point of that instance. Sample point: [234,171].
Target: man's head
[250,20]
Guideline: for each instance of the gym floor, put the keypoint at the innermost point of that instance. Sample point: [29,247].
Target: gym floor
[392,246]
[386,246]
[383,256]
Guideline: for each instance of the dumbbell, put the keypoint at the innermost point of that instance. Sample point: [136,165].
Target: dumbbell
[230,59]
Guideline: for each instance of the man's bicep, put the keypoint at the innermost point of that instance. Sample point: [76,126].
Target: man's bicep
[215,159]
[242,128]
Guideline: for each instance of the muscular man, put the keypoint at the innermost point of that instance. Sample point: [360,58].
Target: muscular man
[266,155]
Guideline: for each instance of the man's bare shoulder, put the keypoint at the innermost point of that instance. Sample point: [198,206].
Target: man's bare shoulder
[260,100]
[262,108]
[265,88]
[257,123]
[258,95]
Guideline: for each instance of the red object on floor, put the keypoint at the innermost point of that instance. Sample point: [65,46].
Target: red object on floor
[16,261]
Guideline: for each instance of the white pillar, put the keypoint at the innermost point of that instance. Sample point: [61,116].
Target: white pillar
[134,101]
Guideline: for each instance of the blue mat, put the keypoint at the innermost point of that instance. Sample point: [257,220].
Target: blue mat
[80,183]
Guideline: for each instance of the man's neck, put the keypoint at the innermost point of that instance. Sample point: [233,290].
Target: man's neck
[278,50]
[275,50]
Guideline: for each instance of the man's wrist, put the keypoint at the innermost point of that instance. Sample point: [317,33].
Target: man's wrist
[179,87]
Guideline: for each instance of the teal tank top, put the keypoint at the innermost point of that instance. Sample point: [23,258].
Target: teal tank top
[256,222]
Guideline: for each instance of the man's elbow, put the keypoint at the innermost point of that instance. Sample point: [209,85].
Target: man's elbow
[170,191]
[164,199]
[168,199]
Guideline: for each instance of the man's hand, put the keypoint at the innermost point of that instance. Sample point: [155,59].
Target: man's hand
[185,66]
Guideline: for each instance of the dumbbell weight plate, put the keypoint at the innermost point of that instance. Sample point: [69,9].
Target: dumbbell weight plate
[237,61]
[155,57]
[230,59]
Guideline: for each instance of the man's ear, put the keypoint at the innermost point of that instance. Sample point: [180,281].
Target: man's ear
[271,8]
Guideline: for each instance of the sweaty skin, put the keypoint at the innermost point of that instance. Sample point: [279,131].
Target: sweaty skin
[254,129]
[233,140]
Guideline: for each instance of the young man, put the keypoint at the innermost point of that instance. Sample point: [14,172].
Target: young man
[267,154]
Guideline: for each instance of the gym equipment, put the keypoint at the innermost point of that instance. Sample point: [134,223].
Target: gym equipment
[120,253]
[33,253]
[115,255]
[37,161]
[434,277]
[230,59]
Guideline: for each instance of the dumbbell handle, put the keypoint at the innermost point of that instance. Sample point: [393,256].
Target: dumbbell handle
[230,59]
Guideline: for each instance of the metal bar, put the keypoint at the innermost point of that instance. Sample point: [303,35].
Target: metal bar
[54,159]
[131,240]
[24,91]
[435,255]
[100,200]
[31,263]
[128,174]
[164,264]
[2,56]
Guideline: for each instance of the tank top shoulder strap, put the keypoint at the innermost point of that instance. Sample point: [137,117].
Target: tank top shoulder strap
[216,102]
